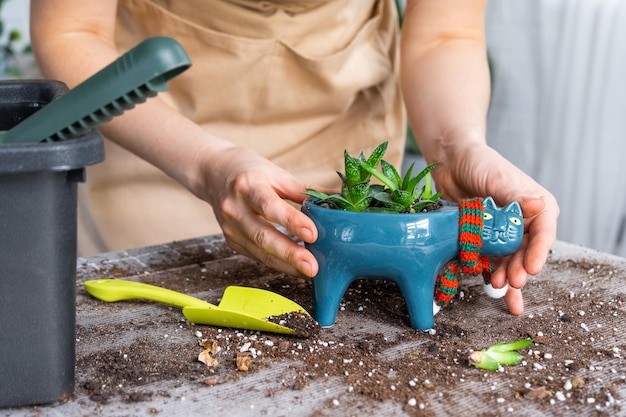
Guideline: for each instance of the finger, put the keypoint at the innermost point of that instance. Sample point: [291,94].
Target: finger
[498,277]
[273,248]
[516,274]
[541,234]
[249,226]
[531,206]
[277,211]
[514,301]
[271,261]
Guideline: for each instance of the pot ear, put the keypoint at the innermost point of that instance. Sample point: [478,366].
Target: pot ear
[515,208]
[488,203]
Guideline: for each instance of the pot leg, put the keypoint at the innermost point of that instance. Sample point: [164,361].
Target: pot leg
[418,292]
[328,290]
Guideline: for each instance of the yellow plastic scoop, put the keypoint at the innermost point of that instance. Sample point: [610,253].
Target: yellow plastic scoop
[240,308]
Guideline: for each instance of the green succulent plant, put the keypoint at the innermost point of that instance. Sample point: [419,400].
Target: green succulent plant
[394,194]
[498,354]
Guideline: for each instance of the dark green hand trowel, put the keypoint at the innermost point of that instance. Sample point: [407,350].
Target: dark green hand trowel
[140,73]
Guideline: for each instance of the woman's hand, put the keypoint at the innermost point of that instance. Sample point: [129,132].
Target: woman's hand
[445,83]
[249,196]
[478,170]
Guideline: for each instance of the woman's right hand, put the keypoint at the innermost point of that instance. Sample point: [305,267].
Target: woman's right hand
[250,196]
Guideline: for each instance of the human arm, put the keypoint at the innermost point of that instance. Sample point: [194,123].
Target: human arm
[445,83]
[73,39]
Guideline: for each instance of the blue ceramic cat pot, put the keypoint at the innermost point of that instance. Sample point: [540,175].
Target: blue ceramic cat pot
[410,249]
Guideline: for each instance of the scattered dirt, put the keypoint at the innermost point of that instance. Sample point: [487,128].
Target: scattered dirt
[563,365]
[303,324]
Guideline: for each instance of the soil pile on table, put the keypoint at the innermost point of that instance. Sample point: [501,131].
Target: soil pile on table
[303,324]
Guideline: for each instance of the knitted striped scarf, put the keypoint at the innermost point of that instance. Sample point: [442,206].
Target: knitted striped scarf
[469,261]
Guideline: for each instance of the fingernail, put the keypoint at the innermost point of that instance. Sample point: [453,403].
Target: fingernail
[306,235]
[306,269]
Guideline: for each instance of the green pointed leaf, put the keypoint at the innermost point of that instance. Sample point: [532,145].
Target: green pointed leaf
[352,171]
[382,196]
[392,174]
[407,178]
[377,188]
[377,155]
[367,168]
[345,191]
[506,347]
[425,171]
[363,204]
[363,174]
[412,187]
[386,181]
[397,208]
[421,205]
[436,197]
[428,187]
[505,358]
[317,194]
[340,203]
[359,191]
[402,197]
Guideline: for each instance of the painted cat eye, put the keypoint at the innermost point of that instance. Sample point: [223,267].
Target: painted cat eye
[487,216]
[516,221]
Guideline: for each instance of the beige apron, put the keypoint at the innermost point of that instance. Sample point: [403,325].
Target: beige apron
[297,81]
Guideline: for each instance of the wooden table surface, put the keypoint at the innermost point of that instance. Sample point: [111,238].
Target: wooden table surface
[203,267]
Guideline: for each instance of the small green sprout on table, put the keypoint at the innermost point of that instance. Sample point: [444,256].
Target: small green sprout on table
[498,354]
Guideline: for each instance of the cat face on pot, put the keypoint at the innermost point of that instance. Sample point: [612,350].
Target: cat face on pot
[503,228]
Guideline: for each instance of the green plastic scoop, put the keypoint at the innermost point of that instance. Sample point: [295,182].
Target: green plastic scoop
[240,308]
[140,73]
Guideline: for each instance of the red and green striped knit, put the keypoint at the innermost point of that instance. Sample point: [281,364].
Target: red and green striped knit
[470,261]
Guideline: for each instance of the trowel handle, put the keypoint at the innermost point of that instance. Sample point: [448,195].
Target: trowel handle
[111,290]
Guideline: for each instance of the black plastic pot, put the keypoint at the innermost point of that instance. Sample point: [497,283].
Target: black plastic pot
[38,185]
